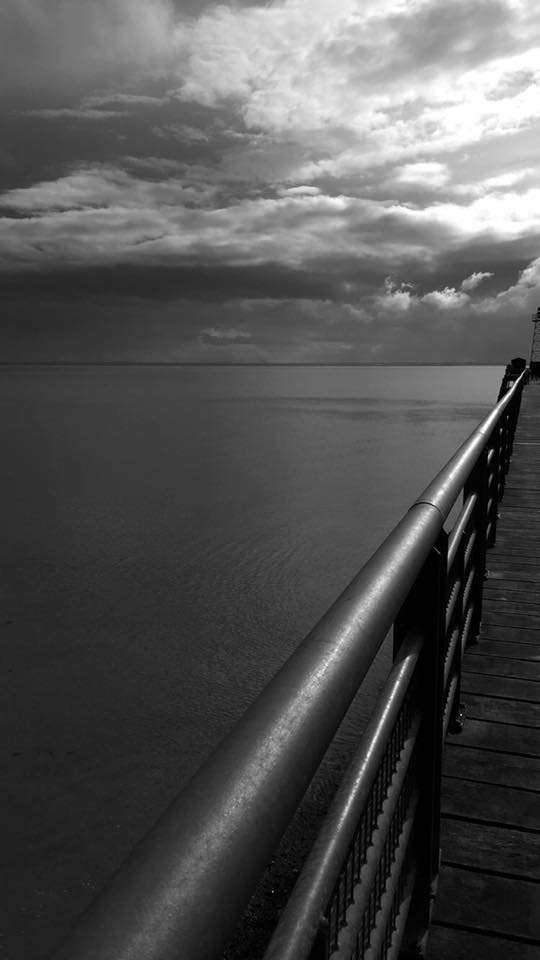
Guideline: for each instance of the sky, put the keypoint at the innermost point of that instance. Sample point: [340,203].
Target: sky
[283,181]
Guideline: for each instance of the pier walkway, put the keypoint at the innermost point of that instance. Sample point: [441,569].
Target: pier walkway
[488,902]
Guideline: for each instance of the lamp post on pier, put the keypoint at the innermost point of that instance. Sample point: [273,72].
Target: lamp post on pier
[535,346]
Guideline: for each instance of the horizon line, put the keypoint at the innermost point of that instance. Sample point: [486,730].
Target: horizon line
[254,363]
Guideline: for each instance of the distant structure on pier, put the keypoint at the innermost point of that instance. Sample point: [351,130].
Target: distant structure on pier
[535,347]
[513,371]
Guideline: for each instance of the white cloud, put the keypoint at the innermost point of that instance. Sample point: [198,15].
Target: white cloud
[104,214]
[508,179]
[299,65]
[427,173]
[475,279]
[225,336]
[397,297]
[300,191]
[447,299]
[521,298]
[353,85]
[101,212]
[99,187]
[501,216]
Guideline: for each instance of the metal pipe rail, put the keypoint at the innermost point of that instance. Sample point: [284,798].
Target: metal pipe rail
[186,884]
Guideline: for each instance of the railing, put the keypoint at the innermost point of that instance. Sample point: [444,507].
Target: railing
[367,887]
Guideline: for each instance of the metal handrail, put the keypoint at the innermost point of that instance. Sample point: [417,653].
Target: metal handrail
[185,885]
[295,935]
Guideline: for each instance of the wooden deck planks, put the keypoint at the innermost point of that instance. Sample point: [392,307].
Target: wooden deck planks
[516,712]
[504,688]
[488,766]
[490,848]
[451,943]
[490,803]
[501,737]
[502,667]
[494,632]
[488,904]
[513,650]
[491,904]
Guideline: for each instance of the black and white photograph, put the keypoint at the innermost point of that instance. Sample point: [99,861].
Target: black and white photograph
[269,479]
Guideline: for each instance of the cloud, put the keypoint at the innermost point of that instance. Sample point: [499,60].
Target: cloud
[51,44]
[447,299]
[292,64]
[430,173]
[508,179]
[296,65]
[106,215]
[521,297]
[297,152]
[447,324]
[105,189]
[182,131]
[301,191]
[225,337]
[103,106]
[475,279]
[326,89]
[81,112]
[400,297]
[397,297]
[112,99]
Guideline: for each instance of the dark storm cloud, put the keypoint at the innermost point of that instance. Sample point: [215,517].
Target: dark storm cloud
[68,44]
[156,283]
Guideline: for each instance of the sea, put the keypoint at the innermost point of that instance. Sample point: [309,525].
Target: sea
[169,535]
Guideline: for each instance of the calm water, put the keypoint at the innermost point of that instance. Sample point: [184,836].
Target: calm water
[168,536]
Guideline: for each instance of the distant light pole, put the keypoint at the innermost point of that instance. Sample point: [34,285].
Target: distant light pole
[535,346]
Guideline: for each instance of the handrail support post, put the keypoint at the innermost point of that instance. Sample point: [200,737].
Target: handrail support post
[457,710]
[478,483]
[425,608]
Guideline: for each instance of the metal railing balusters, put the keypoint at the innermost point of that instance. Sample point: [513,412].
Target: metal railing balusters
[478,483]
[424,610]
[496,487]
[453,690]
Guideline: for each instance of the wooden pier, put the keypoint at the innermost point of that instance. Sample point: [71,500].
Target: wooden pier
[488,903]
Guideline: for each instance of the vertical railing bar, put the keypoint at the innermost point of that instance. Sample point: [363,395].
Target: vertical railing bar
[453,698]
[477,482]
[426,608]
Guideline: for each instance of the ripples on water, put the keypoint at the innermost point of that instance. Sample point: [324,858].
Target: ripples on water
[170,535]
